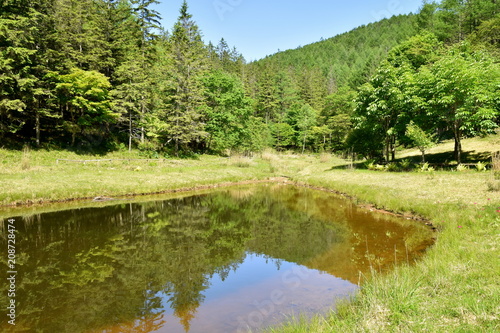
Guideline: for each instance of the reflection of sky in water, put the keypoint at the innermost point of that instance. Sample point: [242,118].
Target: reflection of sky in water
[252,271]
[257,295]
[119,268]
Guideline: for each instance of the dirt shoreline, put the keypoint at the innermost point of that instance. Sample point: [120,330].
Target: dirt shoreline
[281,179]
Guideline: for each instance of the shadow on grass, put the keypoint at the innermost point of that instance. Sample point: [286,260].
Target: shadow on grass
[443,160]
[471,156]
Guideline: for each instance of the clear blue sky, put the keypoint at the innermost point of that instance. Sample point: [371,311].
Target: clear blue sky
[262,27]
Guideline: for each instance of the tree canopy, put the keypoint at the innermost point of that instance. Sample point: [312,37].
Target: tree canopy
[104,74]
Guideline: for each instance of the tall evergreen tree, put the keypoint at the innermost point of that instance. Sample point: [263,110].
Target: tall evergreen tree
[134,38]
[149,22]
[186,103]
[82,36]
[25,48]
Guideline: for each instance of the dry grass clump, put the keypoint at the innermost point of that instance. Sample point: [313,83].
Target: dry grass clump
[325,157]
[25,160]
[495,161]
[269,155]
[241,161]
[494,182]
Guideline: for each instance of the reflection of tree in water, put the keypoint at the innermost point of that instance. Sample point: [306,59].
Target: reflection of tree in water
[106,268]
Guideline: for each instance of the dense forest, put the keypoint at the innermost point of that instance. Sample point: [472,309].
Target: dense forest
[100,75]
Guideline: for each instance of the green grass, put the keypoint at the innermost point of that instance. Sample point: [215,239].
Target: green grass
[37,178]
[454,288]
[474,150]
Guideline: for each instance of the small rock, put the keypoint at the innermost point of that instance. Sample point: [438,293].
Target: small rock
[102,199]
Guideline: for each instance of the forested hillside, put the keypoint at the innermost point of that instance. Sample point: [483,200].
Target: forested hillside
[100,75]
[348,59]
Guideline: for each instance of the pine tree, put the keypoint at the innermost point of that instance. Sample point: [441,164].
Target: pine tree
[267,97]
[133,48]
[149,22]
[25,31]
[186,103]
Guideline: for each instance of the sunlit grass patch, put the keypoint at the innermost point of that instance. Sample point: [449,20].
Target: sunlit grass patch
[454,287]
[241,161]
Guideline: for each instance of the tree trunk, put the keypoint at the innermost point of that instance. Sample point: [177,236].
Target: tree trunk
[304,144]
[130,130]
[37,128]
[142,119]
[393,148]
[457,133]
[387,149]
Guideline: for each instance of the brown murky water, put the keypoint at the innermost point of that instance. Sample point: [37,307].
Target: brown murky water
[231,260]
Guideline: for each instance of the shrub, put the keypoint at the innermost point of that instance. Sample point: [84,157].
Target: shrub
[462,168]
[148,149]
[393,167]
[426,168]
[370,164]
[405,164]
[480,166]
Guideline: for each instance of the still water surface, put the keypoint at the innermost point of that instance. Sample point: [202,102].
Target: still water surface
[225,261]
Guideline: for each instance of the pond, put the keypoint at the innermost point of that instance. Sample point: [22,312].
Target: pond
[228,260]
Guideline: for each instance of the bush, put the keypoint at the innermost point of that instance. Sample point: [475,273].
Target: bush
[370,164]
[426,168]
[406,165]
[480,166]
[393,167]
[148,149]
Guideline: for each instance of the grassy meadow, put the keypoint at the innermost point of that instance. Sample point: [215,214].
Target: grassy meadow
[454,288]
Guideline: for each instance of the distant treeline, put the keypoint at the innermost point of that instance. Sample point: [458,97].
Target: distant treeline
[99,75]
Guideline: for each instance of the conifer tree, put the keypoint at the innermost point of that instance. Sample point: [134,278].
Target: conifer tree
[186,104]
[25,42]
[133,39]
[81,34]
[149,22]
[267,97]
